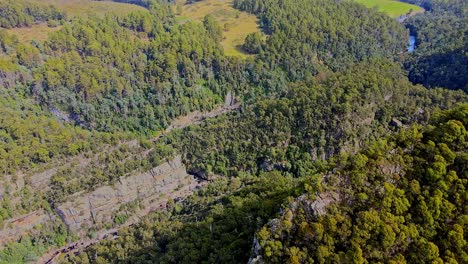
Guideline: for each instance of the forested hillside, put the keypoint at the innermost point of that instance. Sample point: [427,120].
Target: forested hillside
[22,13]
[133,137]
[402,199]
[440,59]
[307,35]
[312,122]
[148,70]
[133,74]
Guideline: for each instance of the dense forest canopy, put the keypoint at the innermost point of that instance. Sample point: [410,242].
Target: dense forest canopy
[14,13]
[110,80]
[29,138]
[440,58]
[324,108]
[312,122]
[399,200]
[138,72]
[305,35]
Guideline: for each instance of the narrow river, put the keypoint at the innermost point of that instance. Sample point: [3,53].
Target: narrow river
[412,43]
[412,38]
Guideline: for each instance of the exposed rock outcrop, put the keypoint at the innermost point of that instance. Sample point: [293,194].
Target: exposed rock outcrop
[312,208]
[396,123]
[256,257]
[153,188]
[230,99]
[41,180]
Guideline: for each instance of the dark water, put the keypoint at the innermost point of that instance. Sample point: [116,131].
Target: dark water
[412,42]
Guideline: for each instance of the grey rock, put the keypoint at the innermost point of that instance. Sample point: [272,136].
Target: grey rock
[396,123]
[96,208]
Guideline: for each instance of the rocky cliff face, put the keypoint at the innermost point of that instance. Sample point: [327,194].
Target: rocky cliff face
[97,209]
[151,189]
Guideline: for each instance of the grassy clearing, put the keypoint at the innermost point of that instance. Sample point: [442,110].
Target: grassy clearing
[390,7]
[73,8]
[38,32]
[237,24]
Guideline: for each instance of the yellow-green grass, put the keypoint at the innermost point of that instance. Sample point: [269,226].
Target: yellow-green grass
[72,8]
[38,32]
[390,7]
[237,24]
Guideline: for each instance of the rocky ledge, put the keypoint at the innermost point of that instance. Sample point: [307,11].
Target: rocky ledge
[152,189]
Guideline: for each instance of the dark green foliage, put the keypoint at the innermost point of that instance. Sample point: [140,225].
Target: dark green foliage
[107,78]
[28,137]
[401,200]
[29,249]
[22,252]
[253,43]
[321,86]
[440,58]
[10,71]
[312,122]
[216,225]
[213,28]
[305,35]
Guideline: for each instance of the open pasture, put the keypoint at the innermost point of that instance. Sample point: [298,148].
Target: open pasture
[390,7]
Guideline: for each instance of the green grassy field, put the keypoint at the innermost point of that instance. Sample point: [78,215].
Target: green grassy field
[237,24]
[390,7]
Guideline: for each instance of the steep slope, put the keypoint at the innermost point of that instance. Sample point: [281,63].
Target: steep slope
[440,58]
[313,122]
[75,200]
[399,200]
[261,154]
[305,35]
[103,122]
